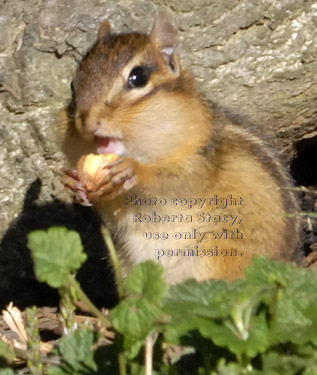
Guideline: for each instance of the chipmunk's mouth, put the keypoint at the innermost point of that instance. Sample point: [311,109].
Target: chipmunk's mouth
[109,145]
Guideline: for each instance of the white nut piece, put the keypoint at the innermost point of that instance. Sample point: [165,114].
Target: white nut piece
[92,168]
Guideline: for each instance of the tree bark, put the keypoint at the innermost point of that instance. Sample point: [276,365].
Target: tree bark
[255,58]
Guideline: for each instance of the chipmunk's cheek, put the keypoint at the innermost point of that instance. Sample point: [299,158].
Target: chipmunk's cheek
[106,145]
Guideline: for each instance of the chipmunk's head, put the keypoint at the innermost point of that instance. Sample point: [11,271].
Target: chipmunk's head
[131,96]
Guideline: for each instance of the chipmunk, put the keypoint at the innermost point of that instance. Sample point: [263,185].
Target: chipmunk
[188,188]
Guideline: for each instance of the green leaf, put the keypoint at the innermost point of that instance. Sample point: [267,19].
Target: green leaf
[210,299]
[6,352]
[311,370]
[279,364]
[56,253]
[6,371]
[146,288]
[77,354]
[292,322]
[7,355]
[256,341]
[222,312]
[266,271]
[181,329]
[76,347]
[134,317]
[53,370]
[224,368]
[146,281]
[132,347]
[294,306]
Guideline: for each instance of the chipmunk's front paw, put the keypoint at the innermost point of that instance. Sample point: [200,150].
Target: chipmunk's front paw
[121,177]
[106,176]
[74,186]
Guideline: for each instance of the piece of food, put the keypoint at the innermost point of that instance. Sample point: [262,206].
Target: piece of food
[93,168]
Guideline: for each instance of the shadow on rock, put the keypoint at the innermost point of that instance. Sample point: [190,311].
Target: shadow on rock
[18,282]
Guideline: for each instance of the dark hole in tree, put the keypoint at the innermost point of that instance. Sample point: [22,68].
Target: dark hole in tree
[304,165]
[304,172]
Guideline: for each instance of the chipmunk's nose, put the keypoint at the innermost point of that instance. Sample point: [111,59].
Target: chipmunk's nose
[92,125]
[98,128]
[97,118]
[86,126]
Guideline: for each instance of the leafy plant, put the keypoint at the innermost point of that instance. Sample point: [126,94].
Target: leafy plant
[56,254]
[265,324]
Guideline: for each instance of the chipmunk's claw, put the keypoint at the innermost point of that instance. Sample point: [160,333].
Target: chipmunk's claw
[75,187]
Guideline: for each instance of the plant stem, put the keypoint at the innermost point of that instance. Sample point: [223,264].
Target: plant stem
[148,355]
[311,214]
[122,361]
[114,259]
[122,364]
[245,362]
[33,345]
[119,280]
[82,296]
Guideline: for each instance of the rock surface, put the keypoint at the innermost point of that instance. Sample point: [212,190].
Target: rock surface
[258,59]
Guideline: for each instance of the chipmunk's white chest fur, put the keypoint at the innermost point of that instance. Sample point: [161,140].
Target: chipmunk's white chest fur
[135,244]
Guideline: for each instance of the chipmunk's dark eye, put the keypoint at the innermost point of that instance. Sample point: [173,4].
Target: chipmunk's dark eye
[138,77]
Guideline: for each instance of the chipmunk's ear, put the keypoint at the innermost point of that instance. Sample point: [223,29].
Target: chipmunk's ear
[104,29]
[164,36]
